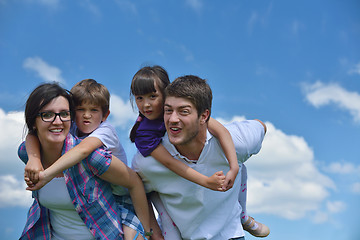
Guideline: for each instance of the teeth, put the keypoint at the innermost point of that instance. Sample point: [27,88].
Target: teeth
[175,129]
[56,130]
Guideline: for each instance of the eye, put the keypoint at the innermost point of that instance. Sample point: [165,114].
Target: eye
[168,110]
[94,110]
[79,109]
[48,115]
[138,98]
[185,112]
[64,114]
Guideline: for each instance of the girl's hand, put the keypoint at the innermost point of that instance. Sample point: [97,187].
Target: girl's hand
[229,180]
[216,181]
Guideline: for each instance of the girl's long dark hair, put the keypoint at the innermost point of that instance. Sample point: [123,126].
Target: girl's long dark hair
[143,83]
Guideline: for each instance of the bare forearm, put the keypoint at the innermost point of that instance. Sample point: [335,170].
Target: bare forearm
[141,206]
[178,167]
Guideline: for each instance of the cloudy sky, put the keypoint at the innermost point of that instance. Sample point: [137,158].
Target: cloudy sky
[293,64]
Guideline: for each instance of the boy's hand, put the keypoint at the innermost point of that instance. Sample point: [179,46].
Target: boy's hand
[32,170]
[229,180]
[216,181]
[42,181]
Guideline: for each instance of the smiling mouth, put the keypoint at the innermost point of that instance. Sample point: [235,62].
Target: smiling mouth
[56,130]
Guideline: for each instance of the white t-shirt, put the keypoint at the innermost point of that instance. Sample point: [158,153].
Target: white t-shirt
[198,212]
[65,221]
[106,133]
[108,136]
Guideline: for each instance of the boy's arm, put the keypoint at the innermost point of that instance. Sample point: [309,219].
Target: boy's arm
[69,159]
[118,173]
[34,165]
[215,182]
[227,144]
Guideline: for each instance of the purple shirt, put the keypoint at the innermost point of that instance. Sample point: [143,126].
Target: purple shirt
[149,135]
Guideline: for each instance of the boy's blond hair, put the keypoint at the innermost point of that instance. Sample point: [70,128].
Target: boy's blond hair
[90,91]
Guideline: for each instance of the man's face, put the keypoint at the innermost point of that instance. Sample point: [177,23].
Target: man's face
[181,120]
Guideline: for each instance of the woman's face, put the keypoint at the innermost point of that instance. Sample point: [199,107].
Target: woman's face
[56,131]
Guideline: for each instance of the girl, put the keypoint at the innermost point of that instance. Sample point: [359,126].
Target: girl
[147,87]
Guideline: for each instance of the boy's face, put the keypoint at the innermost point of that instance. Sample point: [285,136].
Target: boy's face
[88,117]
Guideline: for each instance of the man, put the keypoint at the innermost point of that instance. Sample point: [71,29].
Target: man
[199,213]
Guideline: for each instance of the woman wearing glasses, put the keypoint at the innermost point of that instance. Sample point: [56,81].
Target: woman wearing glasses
[78,204]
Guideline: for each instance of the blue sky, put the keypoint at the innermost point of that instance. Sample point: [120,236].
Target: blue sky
[293,64]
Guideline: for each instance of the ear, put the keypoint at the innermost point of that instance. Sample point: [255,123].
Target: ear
[204,116]
[106,115]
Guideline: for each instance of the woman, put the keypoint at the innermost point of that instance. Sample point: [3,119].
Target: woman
[78,204]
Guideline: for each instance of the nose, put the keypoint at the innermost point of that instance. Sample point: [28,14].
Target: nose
[174,118]
[57,120]
[147,103]
[87,114]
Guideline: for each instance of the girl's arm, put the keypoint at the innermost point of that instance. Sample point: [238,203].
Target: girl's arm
[227,144]
[69,159]
[118,173]
[34,165]
[215,182]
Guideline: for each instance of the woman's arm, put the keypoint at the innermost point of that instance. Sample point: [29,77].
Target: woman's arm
[34,165]
[118,173]
[227,144]
[215,182]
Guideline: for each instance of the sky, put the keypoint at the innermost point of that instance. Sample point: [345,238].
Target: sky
[293,64]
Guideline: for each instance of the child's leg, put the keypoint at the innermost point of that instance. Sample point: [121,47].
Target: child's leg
[243,193]
[169,229]
[249,224]
[132,226]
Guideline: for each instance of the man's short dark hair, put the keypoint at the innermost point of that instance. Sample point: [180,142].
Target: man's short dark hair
[193,88]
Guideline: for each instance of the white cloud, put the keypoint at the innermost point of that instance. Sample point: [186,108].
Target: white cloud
[343,168]
[320,94]
[53,4]
[336,206]
[87,4]
[13,193]
[127,6]
[355,188]
[45,71]
[355,69]
[283,179]
[296,27]
[12,131]
[122,114]
[254,18]
[195,4]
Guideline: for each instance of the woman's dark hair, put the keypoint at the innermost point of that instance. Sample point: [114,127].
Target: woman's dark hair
[41,96]
[143,83]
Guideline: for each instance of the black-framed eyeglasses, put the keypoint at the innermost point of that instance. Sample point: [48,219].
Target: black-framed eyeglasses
[51,116]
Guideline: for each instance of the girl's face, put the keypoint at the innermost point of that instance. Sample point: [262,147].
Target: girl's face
[151,105]
[53,132]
